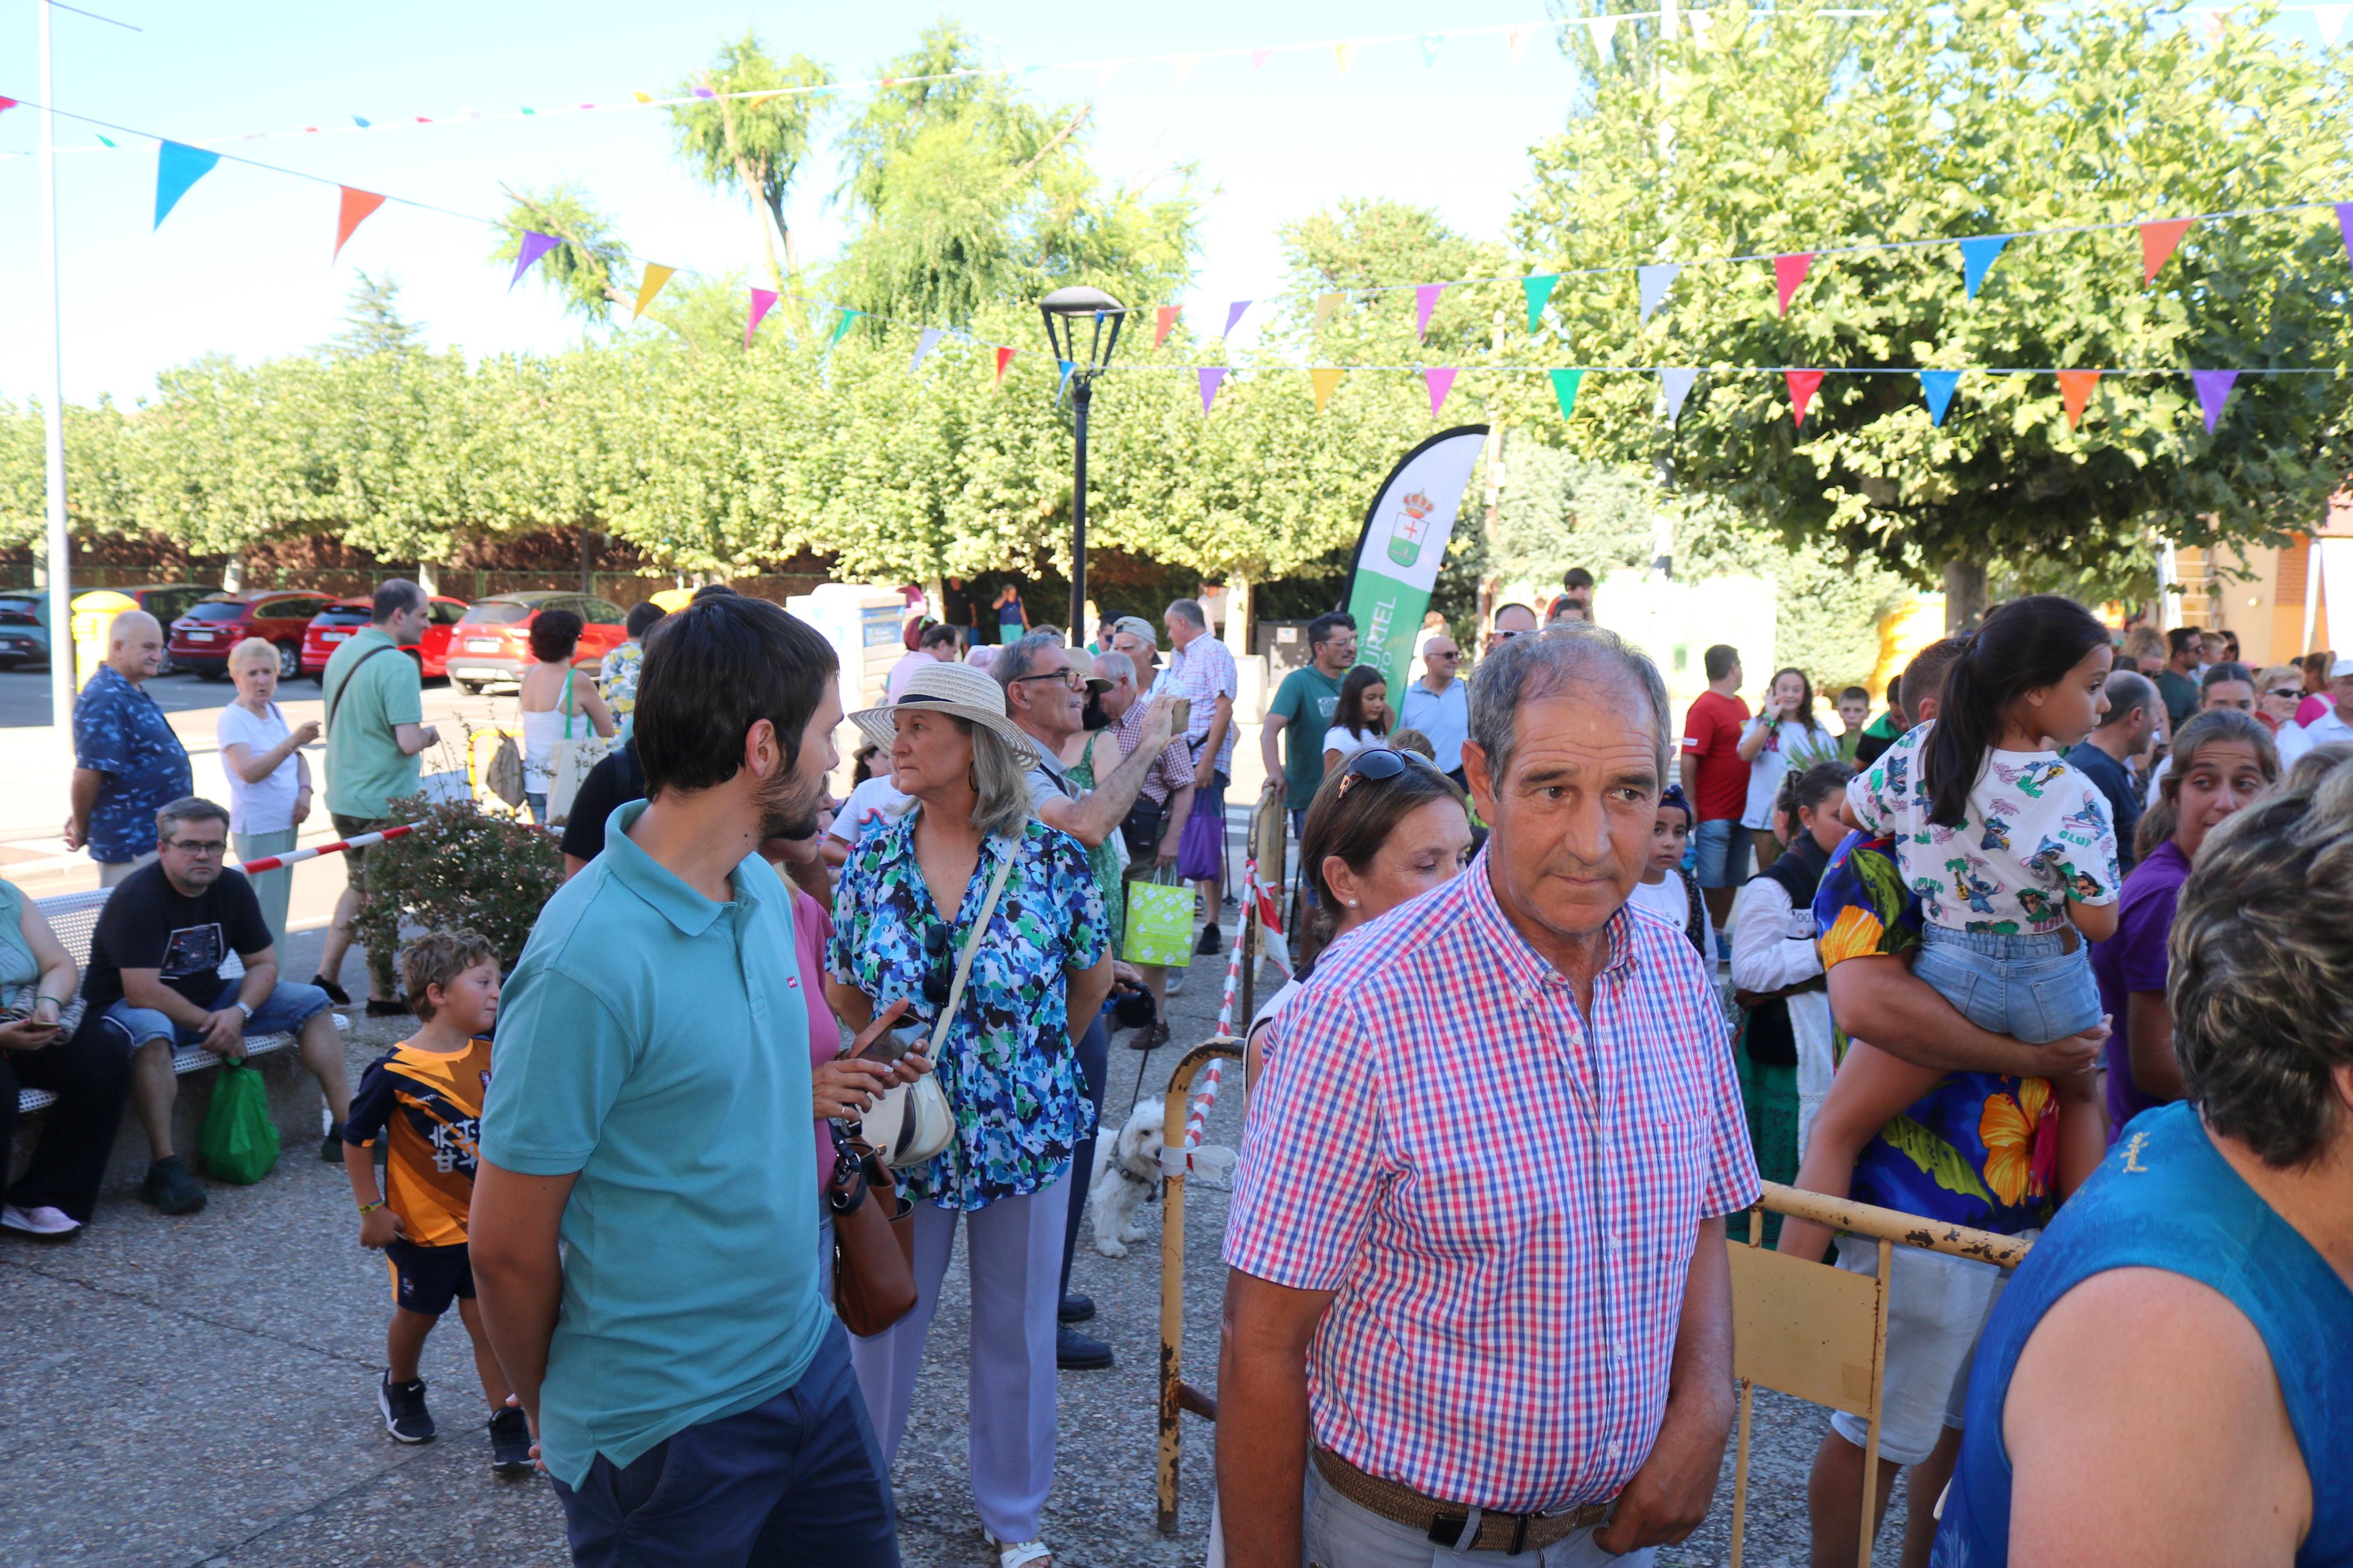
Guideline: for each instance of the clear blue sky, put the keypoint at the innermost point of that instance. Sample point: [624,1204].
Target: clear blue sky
[242,266]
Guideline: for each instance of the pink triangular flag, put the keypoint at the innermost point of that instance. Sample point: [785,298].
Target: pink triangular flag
[1441,382]
[1257,58]
[1425,300]
[1233,316]
[1516,39]
[1788,273]
[763,301]
[1211,375]
[1802,384]
[1168,314]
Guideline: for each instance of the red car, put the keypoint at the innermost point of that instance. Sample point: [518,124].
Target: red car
[201,638]
[338,621]
[491,641]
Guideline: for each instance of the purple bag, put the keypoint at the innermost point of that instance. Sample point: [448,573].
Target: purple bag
[1201,851]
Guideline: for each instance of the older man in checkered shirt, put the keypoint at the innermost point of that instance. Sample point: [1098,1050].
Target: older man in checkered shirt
[1479,1306]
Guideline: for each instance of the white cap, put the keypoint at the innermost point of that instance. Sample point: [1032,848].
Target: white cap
[2342,668]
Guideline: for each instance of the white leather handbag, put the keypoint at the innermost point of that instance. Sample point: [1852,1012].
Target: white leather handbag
[913,1121]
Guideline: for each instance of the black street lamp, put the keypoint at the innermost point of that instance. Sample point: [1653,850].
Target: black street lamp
[1064,309]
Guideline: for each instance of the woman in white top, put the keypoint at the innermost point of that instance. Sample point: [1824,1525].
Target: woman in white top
[1360,719]
[1783,740]
[268,777]
[559,703]
[1777,967]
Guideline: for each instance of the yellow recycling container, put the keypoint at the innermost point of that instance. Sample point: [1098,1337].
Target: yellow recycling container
[93,615]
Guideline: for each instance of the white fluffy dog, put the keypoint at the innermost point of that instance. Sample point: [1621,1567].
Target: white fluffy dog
[1127,1176]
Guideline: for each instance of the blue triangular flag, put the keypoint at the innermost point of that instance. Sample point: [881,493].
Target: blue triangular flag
[1429,42]
[1677,383]
[1654,282]
[1976,259]
[361,123]
[1936,386]
[1064,385]
[176,168]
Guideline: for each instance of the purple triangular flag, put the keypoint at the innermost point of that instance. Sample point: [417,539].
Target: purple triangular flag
[1211,375]
[1441,382]
[535,246]
[1425,300]
[2345,226]
[2214,391]
[1233,316]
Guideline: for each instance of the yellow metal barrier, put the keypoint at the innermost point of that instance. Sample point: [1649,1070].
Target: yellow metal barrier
[1177,1395]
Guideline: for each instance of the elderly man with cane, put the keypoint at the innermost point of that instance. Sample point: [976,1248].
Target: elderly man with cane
[1479,1308]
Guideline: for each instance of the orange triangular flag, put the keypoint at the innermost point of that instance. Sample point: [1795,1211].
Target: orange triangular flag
[356,206]
[650,285]
[2157,243]
[2076,391]
[1802,384]
[1004,358]
[1325,378]
[1168,314]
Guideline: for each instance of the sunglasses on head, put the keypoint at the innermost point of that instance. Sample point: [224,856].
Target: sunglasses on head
[1379,763]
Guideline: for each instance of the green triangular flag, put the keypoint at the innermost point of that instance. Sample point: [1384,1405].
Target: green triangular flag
[1563,389]
[842,325]
[1539,290]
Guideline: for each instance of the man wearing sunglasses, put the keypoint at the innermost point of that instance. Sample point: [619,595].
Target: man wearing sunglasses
[1435,1334]
[1439,704]
[154,983]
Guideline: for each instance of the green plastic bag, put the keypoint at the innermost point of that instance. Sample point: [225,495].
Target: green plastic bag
[239,1141]
[1159,920]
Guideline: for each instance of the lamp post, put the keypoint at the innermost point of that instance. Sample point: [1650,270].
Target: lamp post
[1064,309]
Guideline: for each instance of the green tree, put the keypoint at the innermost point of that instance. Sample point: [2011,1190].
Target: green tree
[1797,131]
[755,145]
[375,324]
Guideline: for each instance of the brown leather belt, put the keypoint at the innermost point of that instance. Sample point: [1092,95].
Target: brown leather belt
[1448,1524]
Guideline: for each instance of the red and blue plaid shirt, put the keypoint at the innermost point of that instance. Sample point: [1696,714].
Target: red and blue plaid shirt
[1504,1196]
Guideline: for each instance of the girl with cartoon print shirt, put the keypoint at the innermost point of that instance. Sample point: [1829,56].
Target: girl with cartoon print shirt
[2012,855]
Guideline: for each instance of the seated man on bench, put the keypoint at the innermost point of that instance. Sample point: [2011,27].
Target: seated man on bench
[154,983]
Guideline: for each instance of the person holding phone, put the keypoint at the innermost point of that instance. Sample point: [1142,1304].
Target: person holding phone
[87,1071]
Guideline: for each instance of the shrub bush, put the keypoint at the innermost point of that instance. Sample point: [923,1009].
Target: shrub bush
[463,867]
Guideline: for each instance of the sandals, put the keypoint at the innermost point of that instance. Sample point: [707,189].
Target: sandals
[1022,1554]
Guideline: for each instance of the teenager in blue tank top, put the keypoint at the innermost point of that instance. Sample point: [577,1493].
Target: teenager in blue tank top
[2170,1377]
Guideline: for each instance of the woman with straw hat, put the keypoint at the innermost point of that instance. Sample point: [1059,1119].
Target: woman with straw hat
[968,869]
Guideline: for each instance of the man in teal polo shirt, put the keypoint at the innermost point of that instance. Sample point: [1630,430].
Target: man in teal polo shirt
[689,1387]
[375,728]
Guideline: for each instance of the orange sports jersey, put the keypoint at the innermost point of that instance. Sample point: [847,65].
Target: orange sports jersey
[433,1106]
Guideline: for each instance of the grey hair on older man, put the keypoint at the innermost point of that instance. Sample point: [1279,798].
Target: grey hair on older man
[1529,668]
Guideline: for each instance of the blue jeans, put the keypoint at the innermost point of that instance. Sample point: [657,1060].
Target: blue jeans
[286,1009]
[799,1479]
[1720,853]
[2028,987]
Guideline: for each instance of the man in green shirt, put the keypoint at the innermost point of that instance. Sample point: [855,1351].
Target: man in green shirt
[375,728]
[1303,707]
[2178,681]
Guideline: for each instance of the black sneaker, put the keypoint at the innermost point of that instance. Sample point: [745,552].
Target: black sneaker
[1074,1351]
[1212,940]
[511,1443]
[1077,1307]
[405,1416]
[336,993]
[331,1149]
[170,1188]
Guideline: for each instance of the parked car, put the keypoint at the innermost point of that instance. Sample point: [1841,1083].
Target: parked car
[201,638]
[491,641]
[24,626]
[338,621]
[167,602]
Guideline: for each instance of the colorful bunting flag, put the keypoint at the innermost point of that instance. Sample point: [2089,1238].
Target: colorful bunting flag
[1788,273]
[1538,290]
[843,326]
[704,92]
[1325,377]
[1004,358]
[1654,282]
[1441,381]
[1429,42]
[103,140]
[361,123]
[1062,385]
[1936,386]
[1183,65]
[1345,53]
[177,167]
[356,207]
[925,343]
[1803,384]
[2076,391]
[2345,226]
[1978,254]
[1516,40]
[649,285]
[1211,377]
[1233,316]
[763,301]
[7,103]
[535,246]
[2330,20]
[2214,391]
[1565,383]
[1167,320]
[1258,59]
[641,97]
[1425,300]
[1326,303]
[1601,29]
[1676,383]
[2157,243]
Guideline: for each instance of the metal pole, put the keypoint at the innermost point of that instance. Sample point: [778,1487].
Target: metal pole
[62,644]
[1082,393]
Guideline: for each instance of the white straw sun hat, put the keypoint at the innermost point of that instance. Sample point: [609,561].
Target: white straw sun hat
[955,689]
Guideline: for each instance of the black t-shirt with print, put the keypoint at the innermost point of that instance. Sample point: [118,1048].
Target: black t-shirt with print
[149,924]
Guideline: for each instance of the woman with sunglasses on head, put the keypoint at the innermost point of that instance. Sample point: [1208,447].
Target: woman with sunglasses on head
[968,877]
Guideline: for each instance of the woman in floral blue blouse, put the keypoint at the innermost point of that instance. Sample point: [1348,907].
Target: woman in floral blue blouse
[903,908]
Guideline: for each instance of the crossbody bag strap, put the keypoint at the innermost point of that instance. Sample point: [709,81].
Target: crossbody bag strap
[971,946]
[567,701]
[332,702]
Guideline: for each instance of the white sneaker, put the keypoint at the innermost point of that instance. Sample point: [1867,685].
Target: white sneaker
[41,1220]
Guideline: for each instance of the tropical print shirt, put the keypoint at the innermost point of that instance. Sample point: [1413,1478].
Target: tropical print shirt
[119,732]
[1006,1066]
[1979,1148]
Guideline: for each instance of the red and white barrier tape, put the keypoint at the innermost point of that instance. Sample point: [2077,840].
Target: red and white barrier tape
[365,840]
